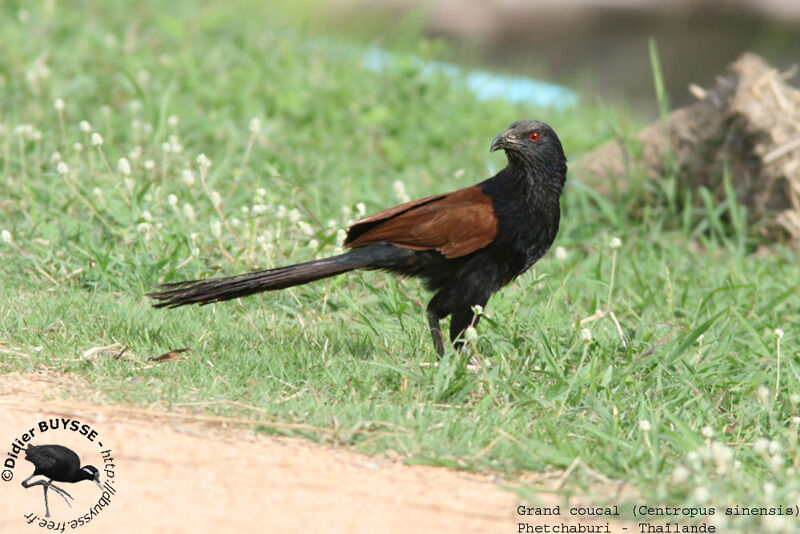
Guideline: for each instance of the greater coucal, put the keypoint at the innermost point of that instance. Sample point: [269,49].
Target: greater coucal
[466,245]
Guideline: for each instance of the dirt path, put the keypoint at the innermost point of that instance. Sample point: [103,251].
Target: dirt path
[180,476]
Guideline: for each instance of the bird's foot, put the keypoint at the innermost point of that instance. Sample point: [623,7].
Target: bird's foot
[64,494]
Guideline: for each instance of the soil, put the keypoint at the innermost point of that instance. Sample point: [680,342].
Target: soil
[174,472]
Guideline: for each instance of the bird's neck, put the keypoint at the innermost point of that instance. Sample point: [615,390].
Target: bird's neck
[534,175]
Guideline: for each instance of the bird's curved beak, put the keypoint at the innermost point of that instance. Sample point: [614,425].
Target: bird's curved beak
[97,481]
[501,141]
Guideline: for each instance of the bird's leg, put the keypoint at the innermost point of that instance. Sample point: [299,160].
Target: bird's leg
[42,483]
[459,322]
[45,486]
[433,321]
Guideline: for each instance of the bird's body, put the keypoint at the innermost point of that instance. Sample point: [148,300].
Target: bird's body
[465,245]
[60,464]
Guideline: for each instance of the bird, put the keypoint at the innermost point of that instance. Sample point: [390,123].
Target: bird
[465,245]
[56,462]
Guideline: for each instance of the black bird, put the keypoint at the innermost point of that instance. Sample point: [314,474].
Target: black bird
[465,245]
[56,462]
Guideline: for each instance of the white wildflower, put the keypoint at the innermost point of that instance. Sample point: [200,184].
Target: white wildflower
[361,209]
[775,462]
[399,189]
[149,165]
[216,229]
[313,244]
[77,147]
[188,211]
[586,335]
[561,253]
[305,227]
[763,393]
[707,432]
[172,200]
[97,139]
[341,235]
[280,213]
[645,426]
[55,157]
[124,167]
[175,145]
[63,168]
[216,199]
[761,445]
[259,209]
[681,474]
[470,334]
[294,215]
[722,456]
[147,216]
[778,333]
[203,161]
[172,120]
[701,494]
[5,237]
[59,104]
[85,126]
[255,125]
[615,242]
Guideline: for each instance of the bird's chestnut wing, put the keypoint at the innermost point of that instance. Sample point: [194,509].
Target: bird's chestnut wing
[455,224]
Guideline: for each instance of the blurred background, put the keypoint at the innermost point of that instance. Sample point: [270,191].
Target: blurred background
[598,47]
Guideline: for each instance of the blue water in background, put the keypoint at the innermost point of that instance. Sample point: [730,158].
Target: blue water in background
[484,84]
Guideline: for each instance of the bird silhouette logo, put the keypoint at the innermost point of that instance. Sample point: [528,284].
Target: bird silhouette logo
[57,463]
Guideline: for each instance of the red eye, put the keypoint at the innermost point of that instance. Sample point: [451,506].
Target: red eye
[533,136]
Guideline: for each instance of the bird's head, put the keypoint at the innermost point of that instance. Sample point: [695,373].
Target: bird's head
[534,145]
[90,472]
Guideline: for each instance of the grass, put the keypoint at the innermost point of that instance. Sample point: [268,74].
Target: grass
[671,378]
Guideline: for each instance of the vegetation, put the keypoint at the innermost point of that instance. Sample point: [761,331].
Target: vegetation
[669,361]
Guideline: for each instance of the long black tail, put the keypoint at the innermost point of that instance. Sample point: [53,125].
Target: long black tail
[219,289]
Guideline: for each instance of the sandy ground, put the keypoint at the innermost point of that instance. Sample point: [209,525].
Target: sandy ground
[175,474]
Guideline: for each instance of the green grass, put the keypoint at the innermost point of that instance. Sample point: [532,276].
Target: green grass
[685,340]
